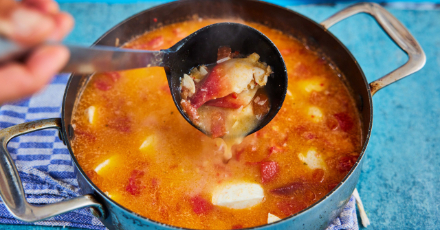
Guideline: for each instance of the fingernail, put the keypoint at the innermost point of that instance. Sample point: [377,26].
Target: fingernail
[26,22]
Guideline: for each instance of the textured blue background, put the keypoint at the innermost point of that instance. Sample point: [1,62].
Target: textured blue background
[400,180]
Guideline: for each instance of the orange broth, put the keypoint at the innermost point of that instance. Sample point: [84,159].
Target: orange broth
[137,148]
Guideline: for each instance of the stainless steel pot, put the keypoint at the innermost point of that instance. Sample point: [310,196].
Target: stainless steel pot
[317,216]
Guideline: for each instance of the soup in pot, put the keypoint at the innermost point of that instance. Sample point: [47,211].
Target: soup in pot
[136,147]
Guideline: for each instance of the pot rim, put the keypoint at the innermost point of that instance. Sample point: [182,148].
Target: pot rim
[309,208]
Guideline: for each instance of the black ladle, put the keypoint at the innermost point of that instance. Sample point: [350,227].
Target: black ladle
[198,48]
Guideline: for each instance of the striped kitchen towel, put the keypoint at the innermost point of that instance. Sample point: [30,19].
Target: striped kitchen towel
[46,168]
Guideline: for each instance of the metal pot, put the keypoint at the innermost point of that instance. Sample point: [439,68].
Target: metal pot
[317,216]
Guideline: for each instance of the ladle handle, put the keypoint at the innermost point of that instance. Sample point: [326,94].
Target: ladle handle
[87,60]
[11,188]
[396,31]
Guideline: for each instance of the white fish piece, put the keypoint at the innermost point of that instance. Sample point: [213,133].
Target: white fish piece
[317,85]
[315,114]
[238,195]
[313,159]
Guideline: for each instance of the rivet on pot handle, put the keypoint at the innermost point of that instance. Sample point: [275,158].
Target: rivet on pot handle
[11,188]
[397,32]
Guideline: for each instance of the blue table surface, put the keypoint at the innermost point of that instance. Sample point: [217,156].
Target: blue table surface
[400,179]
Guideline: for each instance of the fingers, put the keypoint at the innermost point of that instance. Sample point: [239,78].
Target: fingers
[18,81]
[63,24]
[33,21]
[63,21]
[44,6]
[27,26]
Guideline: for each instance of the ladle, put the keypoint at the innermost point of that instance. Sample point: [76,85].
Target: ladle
[198,48]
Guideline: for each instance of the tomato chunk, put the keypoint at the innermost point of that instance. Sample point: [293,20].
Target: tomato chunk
[200,206]
[218,126]
[210,88]
[275,149]
[269,170]
[102,85]
[345,163]
[135,186]
[318,175]
[190,111]
[85,134]
[238,153]
[155,42]
[345,121]
[114,76]
[223,52]
[225,102]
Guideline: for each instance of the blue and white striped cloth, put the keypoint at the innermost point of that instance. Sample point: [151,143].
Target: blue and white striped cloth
[46,169]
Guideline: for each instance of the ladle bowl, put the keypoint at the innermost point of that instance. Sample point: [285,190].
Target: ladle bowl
[201,48]
[196,49]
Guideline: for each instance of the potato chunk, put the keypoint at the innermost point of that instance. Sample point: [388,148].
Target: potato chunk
[108,164]
[90,112]
[238,195]
[272,218]
[148,144]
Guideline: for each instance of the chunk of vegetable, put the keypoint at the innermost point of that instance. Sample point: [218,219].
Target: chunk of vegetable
[272,218]
[234,100]
[107,165]
[345,121]
[218,126]
[269,170]
[134,186]
[190,111]
[148,144]
[103,85]
[200,205]
[91,114]
[102,165]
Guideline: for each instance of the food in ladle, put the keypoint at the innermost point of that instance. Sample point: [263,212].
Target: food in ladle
[220,99]
[136,147]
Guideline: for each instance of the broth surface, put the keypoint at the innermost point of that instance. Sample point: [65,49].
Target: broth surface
[137,148]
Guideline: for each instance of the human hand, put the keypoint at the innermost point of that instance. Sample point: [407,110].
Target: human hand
[27,23]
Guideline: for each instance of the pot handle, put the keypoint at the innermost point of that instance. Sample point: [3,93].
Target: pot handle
[11,189]
[396,31]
